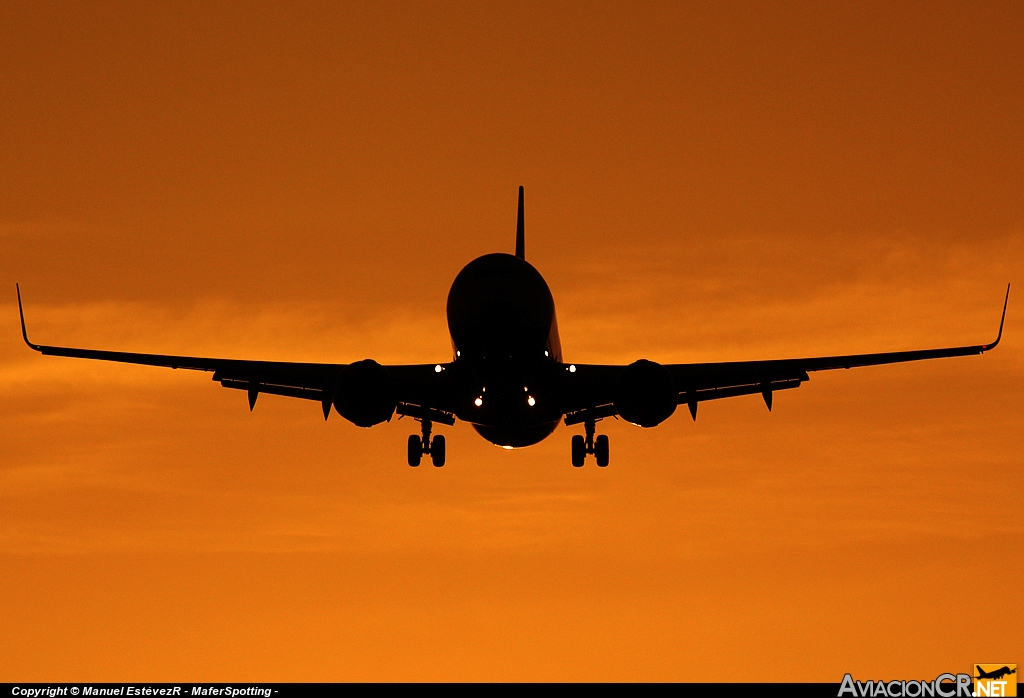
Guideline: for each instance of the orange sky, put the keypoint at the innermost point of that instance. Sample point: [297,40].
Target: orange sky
[702,183]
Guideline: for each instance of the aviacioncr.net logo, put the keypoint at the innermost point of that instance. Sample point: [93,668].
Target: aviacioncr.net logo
[942,686]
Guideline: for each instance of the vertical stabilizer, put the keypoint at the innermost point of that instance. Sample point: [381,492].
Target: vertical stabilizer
[520,236]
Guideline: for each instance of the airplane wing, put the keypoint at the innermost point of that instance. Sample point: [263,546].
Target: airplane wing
[414,385]
[593,388]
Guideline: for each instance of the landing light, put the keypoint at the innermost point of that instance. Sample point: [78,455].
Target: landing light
[438,369]
[546,354]
[572,368]
[478,402]
[530,401]
[507,448]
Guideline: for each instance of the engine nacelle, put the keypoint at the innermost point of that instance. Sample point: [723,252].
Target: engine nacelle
[365,394]
[645,394]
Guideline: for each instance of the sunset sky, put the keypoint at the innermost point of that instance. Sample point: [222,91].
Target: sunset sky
[704,181]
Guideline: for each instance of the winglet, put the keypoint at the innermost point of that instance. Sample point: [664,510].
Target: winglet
[520,233]
[24,332]
[987,347]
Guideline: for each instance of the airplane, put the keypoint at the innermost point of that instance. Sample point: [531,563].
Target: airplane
[996,674]
[507,377]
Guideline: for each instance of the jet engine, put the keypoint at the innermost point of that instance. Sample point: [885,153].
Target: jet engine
[645,395]
[365,394]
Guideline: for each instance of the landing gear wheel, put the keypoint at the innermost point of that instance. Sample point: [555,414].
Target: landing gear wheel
[415,450]
[601,451]
[437,451]
[579,451]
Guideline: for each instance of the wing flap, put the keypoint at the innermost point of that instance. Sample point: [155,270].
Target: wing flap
[735,391]
[284,390]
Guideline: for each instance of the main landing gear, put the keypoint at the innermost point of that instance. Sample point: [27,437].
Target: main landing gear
[418,445]
[581,446]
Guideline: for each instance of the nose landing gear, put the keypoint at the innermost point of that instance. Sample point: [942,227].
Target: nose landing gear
[418,445]
[581,446]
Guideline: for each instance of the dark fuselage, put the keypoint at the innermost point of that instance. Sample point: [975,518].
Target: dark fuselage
[501,318]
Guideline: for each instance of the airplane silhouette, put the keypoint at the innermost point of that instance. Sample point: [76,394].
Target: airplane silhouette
[996,674]
[507,377]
